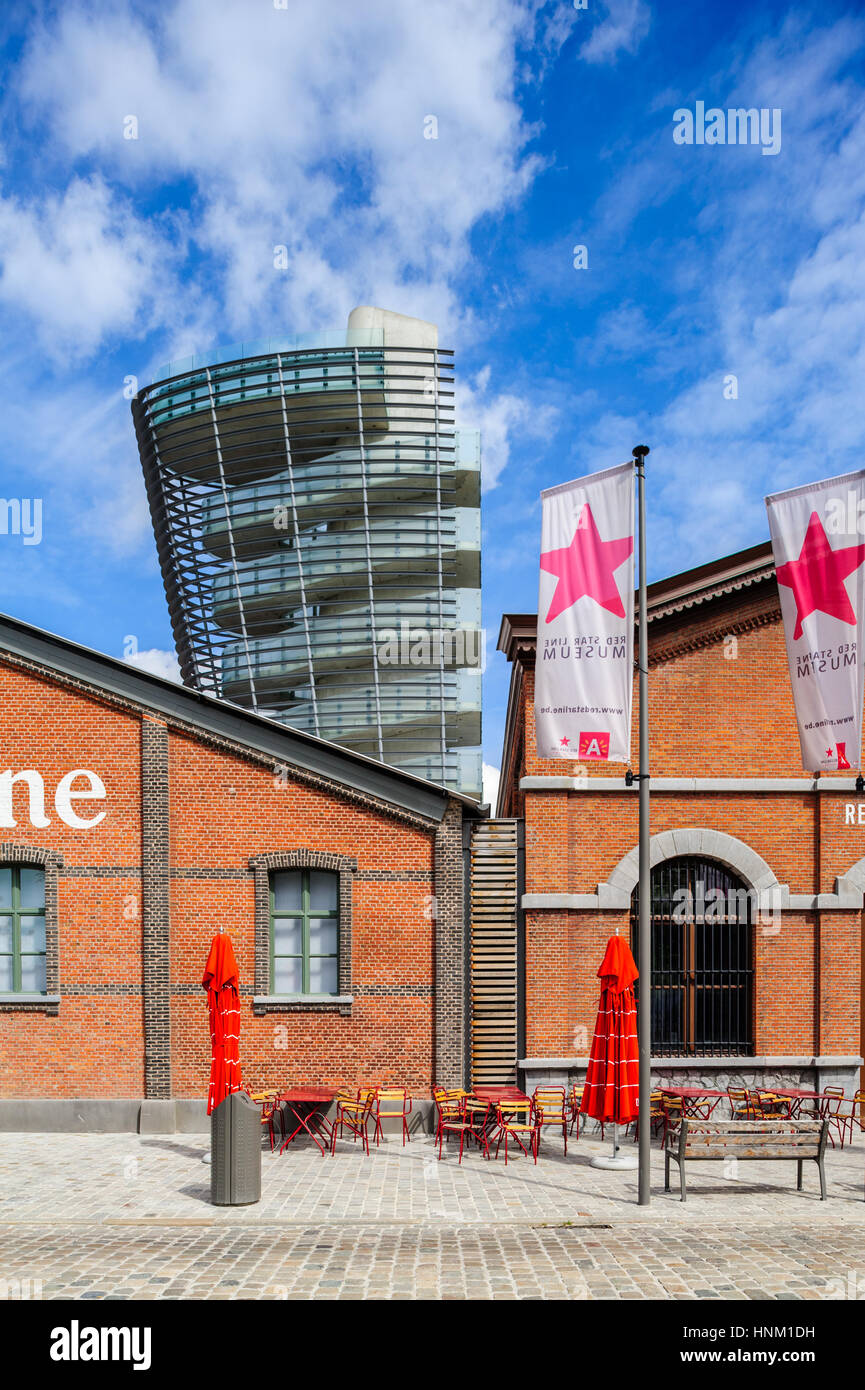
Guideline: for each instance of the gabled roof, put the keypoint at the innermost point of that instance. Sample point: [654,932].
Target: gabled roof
[703,584]
[222,719]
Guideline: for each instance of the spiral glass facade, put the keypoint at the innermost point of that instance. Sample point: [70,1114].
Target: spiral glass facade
[317,516]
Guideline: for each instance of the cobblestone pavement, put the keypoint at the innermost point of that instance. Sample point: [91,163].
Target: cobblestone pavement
[129,1216]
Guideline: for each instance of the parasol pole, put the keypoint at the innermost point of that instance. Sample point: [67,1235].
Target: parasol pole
[644,962]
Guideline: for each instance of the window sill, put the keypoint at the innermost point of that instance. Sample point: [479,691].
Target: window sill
[303,1004]
[30,1003]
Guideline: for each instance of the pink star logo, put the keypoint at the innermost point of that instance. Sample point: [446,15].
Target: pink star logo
[564,742]
[586,567]
[817,577]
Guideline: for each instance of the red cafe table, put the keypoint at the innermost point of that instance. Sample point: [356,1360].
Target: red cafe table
[495,1096]
[304,1104]
[697,1103]
[797,1098]
[498,1094]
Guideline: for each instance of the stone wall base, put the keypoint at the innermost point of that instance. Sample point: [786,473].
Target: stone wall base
[714,1073]
[136,1116]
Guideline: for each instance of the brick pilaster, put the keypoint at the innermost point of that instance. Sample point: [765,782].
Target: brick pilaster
[450,1022]
[155,910]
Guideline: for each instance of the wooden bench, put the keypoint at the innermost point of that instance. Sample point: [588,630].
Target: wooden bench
[701,1139]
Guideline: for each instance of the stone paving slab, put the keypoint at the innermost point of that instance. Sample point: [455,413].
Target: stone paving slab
[111,1177]
[428,1262]
[129,1217]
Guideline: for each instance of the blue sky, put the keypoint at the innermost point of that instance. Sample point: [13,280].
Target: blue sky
[304,126]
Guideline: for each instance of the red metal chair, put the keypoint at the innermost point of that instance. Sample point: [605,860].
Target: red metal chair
[744,1104]
[574,1099]
[455,1122]
[771,1106]
[857,1103]
[657,1114]
[392,1103]
[515,1118]
[353,1109]
[549,1109]
[445,1106]
[673,1108]
[268,1102]
[830,1108]
[478,1113]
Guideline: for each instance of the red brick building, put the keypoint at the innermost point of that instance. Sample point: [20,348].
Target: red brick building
[771,989]
[136,819]
[386,931]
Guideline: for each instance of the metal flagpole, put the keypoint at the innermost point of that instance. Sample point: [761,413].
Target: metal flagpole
[644,963]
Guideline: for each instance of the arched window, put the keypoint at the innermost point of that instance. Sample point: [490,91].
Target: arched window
[702,959]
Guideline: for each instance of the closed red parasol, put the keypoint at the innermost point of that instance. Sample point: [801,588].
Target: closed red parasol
[223,1001]
[611,1091]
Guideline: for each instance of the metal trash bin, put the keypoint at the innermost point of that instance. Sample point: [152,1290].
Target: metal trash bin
[235,1152]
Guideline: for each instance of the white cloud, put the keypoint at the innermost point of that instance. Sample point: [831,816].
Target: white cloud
[622,31]
[256,127]
[499,417]
[80,264]
[75,447]
[302,128]
[157,662]
[491,776]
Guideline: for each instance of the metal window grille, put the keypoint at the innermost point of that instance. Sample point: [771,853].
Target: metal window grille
[702,960]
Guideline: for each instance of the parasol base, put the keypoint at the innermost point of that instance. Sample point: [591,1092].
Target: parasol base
[620,1161]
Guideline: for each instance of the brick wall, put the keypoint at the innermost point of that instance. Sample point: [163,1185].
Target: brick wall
[711,715]
[141,895]
[94,1046]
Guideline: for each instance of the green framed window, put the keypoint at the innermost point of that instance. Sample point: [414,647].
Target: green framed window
[22,929]
[304,932]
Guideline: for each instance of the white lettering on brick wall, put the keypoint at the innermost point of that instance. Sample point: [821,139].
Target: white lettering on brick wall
[66,793]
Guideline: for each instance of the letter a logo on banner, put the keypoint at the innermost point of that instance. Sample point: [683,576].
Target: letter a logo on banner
[585,649]
[819,553]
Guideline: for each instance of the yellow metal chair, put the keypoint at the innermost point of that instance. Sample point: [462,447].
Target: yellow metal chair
[447,1108]
[673,1108]
[574,1099]
[743,1104]
[268,1100]
[657,1113]
[857,1103]
[549,1106]
[353,1109]
[772,1106]
[391,1103]
[831,1110]
[515,1119]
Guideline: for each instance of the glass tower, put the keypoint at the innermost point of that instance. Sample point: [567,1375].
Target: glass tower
[317,518]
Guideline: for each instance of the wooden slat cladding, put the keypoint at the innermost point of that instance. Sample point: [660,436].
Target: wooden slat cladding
[493,961]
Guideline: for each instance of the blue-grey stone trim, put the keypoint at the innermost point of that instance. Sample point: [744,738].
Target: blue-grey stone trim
[771,896]
[800,1071]
[302,1004]
[762,785]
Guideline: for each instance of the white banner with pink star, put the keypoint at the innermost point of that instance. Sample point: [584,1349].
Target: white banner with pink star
[585,652]
[818,541]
